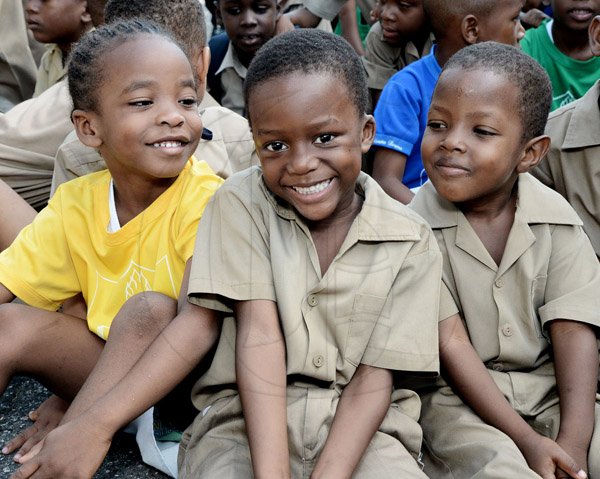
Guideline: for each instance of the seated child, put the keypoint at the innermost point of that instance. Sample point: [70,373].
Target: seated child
[59,24]
[401,36]
[326,337]
[114,235]
[523,274]
[17,66]
[561,46]
[571,165]
[401,112]
[248,26]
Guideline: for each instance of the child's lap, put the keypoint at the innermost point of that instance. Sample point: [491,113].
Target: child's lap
[216,445]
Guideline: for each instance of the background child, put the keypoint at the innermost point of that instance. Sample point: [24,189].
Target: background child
[248,24]
[401,113]
[522,272]
[571,166]
[114,234]
[59,23]
[561,45]
[401,36]
[358,257]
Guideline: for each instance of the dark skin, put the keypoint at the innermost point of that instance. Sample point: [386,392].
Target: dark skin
[571,37]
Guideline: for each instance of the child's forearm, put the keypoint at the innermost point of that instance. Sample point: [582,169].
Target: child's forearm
[576,368]
[261,376]
[361,409]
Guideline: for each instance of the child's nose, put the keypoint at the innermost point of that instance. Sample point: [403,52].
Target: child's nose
[32,6]
[520,31]
[453,141]
[301,161]
[171,116]
[248,18]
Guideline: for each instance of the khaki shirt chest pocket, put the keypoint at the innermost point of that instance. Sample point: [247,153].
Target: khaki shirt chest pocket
[366,311]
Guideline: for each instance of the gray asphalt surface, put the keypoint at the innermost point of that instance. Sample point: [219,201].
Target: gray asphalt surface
[23,395]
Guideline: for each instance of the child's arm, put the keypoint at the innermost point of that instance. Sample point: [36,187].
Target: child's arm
[76,449]
[5,295]
[361,409]
[388,170]
[576,368]
[260,364]
[471,380]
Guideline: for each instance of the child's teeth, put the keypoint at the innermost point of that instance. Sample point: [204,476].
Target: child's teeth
[311,190]
[167,144]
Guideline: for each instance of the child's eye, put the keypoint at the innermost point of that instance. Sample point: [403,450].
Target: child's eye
[276,146]
[325,138]
[261,9]
[484,132]
[435,125]
[189,102]
[140,103]
[233,11]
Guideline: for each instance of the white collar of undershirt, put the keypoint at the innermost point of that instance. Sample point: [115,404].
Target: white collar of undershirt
[549,29]
[113,221]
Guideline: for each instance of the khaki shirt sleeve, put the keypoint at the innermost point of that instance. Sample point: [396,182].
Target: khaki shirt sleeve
[573,279]
[408,341]
[232,260]
[327,9]
[381,60]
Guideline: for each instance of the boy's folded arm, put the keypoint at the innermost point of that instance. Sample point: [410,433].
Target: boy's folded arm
[363,405]
[260,364]
[576,368]
[6,295]
[471,380]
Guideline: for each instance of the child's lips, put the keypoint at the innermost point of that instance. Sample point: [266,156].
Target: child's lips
[580,14]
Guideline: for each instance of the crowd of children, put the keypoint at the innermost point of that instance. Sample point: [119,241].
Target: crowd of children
[200,255]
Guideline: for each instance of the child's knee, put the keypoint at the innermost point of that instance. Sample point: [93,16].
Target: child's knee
[145,313]
[14,329]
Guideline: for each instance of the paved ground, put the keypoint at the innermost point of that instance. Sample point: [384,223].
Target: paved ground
[23,395]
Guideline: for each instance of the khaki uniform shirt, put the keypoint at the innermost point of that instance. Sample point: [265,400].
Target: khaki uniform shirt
[548,271]
[53,68]
[328,9]
[30,134]
[230,149]
[382,60]
[377,303]
[233,74]
[17,67]
[572,166]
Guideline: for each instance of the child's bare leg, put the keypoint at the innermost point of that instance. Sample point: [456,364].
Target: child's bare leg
[48,414]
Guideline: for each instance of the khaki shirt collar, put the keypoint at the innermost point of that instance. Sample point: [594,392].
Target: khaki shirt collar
[231,60]
[380,219]
[583,129]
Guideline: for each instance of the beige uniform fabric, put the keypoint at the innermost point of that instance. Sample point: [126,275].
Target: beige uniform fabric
[52,69]
[383,60]
[17,66]
[30,134]
[377,304]
[233,74]
[231,148]
[328,9]
[572,166]
[548,271]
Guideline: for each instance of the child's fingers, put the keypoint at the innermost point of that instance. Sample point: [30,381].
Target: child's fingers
[20,439]
[567,464]
[26,470]
[31,453]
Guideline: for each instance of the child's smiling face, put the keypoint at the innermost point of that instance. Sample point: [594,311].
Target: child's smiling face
[310,139]
[575,14]
[147,124]
[473,145]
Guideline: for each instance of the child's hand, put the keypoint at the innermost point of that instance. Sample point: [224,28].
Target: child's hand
[45,418]
[74,449]
[548,459]
[579,455]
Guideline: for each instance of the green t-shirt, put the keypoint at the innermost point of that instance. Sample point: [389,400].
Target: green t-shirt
[570,78]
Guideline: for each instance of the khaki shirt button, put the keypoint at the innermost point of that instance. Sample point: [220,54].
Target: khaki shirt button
[318,360]
[507,330]
[497,367]
[313,300]
[499,283]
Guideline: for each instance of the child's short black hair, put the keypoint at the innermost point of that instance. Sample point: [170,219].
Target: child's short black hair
[87,72]
[309,51]
[535,89]
[183,19]
[442,13]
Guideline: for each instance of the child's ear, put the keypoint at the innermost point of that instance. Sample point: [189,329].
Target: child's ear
[86,16]
[595,35]
[202,65]
[533,152]
[469,29]
[279,4]
[87,128]
[368,133]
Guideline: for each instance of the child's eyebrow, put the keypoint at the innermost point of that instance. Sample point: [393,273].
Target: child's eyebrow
[316,125]
[141,84]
